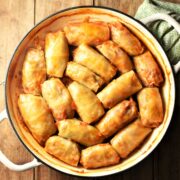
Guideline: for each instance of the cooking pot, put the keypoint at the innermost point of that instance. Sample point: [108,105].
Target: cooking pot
[58,21]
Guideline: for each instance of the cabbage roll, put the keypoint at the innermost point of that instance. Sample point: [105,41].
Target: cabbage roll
[87,104]
[116,55]
[84,76]
[117,117]
[87,56]
[58,98]
[91,33]
[99,156]
[148,70]
[79,131]
[151,107]
[33,71]
[37,116]
[119,89]
[126,39]
[63,149]
[56,53]
[129,138]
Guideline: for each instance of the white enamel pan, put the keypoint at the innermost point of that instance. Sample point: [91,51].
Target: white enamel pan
[58,21]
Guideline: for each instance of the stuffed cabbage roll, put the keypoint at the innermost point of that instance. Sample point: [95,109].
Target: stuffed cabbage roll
[87,56]
[148,70]
[56,53]
[117,117]
[125,39]
[84,76]
[116,55]
[119,89]
[37,116]
[91,33]
[63,149]
[129,138]
[33,71]
[79,132]
[151,107]
[99,156]
[58,98]
[87,104]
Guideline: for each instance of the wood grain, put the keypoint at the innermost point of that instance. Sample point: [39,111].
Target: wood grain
[127,6]
[13,28]
[16,18]
[44,8]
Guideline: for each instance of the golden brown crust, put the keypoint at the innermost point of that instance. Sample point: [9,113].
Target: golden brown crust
[83,75]
[58,98]
[87,56]
[37,116]
[56,53]
[129,138]
[91,33]
[151,107]
[87,104]
[125,39]
[79,132]
[116,55]
[117,117]
[63,149]
[33,71]
[119,89]
[148,70]
[99,156]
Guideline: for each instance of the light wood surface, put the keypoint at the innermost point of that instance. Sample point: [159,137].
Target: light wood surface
[13,28]
[19,16]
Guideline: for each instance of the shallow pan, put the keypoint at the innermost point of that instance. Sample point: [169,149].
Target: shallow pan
[58,21]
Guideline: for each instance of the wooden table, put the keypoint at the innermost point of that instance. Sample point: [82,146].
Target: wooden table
[19,16]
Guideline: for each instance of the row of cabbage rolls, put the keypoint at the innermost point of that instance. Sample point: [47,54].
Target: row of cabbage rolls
[48,105]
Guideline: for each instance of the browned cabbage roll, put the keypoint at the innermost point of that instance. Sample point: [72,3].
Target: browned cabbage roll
[99,156]
[148,70]
[84,76]
[119,89]
[37,116]
[63,149]
[56,53]
[151,107]
[117,117]
[125,39]
[33,71]
[58,98]
[87,56]
[91,33]
[80,132]
[87,104]
[129,138]
[116,55]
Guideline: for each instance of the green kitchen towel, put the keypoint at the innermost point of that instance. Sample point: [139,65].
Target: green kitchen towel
[165,33]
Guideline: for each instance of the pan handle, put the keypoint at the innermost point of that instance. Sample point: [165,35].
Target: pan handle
[176,67]
[171,21]
[4,160]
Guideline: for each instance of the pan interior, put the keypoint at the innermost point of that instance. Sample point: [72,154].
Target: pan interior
[54,23]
